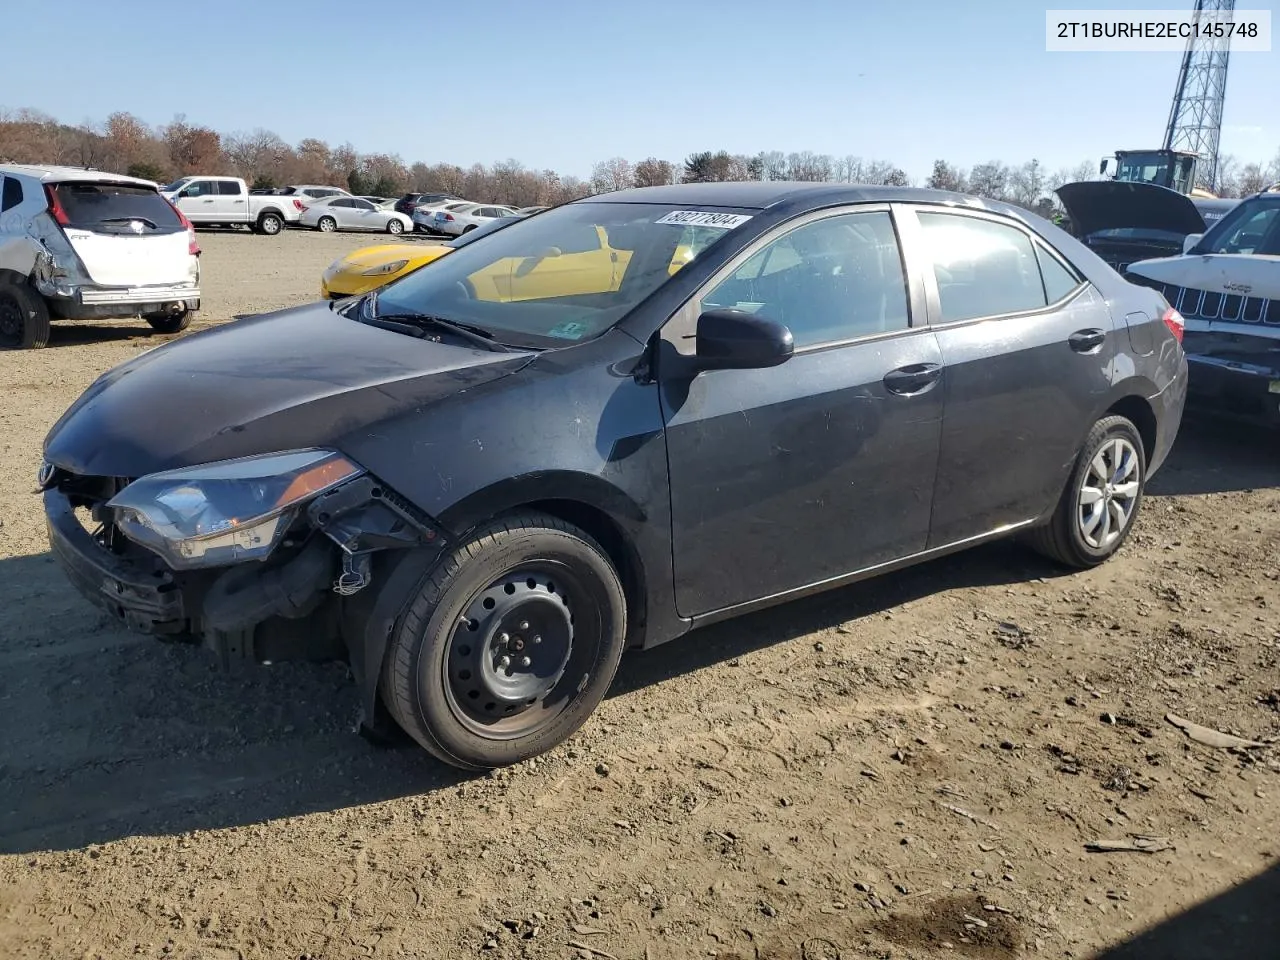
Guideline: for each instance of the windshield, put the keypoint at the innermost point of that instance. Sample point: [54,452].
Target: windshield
[114,207]
[175,186]
[1253,227]
[565,275]
[1144,168]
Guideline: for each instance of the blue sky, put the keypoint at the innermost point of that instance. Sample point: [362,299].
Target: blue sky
[563,83]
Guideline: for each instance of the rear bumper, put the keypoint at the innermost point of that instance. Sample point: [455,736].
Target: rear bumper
[1168,405]
[1235,389]
[141,593]
[104,302]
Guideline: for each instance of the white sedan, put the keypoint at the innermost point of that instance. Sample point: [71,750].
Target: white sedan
[461,218]
[352,213]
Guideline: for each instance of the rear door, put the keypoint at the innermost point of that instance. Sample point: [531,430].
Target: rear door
[232,203]
[126,235]
[1027,347]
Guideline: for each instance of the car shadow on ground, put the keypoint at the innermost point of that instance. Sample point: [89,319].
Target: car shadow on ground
[109,735]
[67,333]
[1242,922]
[1219,456]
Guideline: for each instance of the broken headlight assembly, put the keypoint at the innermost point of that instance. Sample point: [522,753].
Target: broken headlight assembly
[226,512]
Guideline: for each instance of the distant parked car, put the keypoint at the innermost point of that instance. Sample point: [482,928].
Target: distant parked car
[526,211]
[80,244]
[411,201]
[314,191]
[424,216]
[371,267]
[457,220]
[226,201]
[352,213]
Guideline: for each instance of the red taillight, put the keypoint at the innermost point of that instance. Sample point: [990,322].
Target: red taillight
[298,203]
[193,248]
[1173,320]
[55,206]
[448,216]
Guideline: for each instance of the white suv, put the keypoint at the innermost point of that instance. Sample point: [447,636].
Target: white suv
[85,244]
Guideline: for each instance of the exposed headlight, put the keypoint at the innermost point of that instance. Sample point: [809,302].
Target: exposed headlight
[225,512]
[392,267]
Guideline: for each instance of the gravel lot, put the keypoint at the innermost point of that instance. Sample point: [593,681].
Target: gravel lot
[915,762]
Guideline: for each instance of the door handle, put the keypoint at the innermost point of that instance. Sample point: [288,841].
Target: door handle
[210,200]
[915,378]
[1086,341]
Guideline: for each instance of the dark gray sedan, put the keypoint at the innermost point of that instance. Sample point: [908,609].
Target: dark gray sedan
[610,423]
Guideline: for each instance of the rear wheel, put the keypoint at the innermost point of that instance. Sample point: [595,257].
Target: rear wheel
[270,224]
[395,226]
[509,646]
[469,228]
[24,318]
[169,323]
[326,225]
[1100,503]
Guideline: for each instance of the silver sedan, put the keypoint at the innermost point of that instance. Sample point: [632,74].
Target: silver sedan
[352,213]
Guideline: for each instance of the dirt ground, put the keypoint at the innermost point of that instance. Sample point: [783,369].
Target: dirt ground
[912,767]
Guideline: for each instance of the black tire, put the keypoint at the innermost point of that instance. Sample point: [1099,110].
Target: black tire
[560,600]
[270,224]
[24,318]
[395,227]
[1063,538]
[332,228]
[165,323]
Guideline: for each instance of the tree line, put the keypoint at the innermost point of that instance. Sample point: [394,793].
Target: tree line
[126,144]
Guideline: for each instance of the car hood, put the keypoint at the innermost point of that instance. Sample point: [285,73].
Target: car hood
[367,257]
[295,378]
[1240,274]
[1113,204]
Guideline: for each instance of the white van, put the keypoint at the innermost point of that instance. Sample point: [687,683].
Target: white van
[86,244]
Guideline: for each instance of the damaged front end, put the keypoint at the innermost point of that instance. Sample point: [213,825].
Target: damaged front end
[256,557]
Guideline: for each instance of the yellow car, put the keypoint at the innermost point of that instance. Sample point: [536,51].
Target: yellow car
[593,266]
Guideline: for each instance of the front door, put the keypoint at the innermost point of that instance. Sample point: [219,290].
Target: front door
[821,466]
[1028,347]
[198,201]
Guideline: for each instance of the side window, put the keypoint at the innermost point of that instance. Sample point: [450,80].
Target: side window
[12,194]
[360,204]
[833,279]
[1058,280]
[579,238]
[341,202]
[983,268]
[230,188]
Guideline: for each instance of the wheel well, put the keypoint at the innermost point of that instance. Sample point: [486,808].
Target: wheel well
[609,535]
[1139,411]
[270,212]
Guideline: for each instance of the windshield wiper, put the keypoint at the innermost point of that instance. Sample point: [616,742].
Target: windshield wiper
[477,336]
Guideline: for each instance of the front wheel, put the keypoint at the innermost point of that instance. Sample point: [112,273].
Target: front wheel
[395,226]
[327,225]
[509,646]
[1100,503]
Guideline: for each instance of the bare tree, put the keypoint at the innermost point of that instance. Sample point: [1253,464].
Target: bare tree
[192,149]
[612,174]
[990,180]
[773,165]
[1252,179]
[1026,184]
[807,165]
[947,177]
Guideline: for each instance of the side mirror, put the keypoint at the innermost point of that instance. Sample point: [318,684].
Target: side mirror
[1190,240]
[1102,167]
[737,340]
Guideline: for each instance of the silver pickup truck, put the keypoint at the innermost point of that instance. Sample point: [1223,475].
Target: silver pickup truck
[226,201]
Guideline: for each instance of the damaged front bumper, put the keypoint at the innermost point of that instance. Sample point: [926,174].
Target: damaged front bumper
[1237,377]
[304,601]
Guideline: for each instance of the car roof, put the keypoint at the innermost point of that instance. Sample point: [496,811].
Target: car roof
[764,194]
[56,174]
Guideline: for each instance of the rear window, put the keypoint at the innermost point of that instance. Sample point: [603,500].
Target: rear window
[115,207]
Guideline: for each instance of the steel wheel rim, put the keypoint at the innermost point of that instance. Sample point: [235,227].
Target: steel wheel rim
[1108,493]
[327,225]
[11,320]
[270,224]
[395,226]
[506,699]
